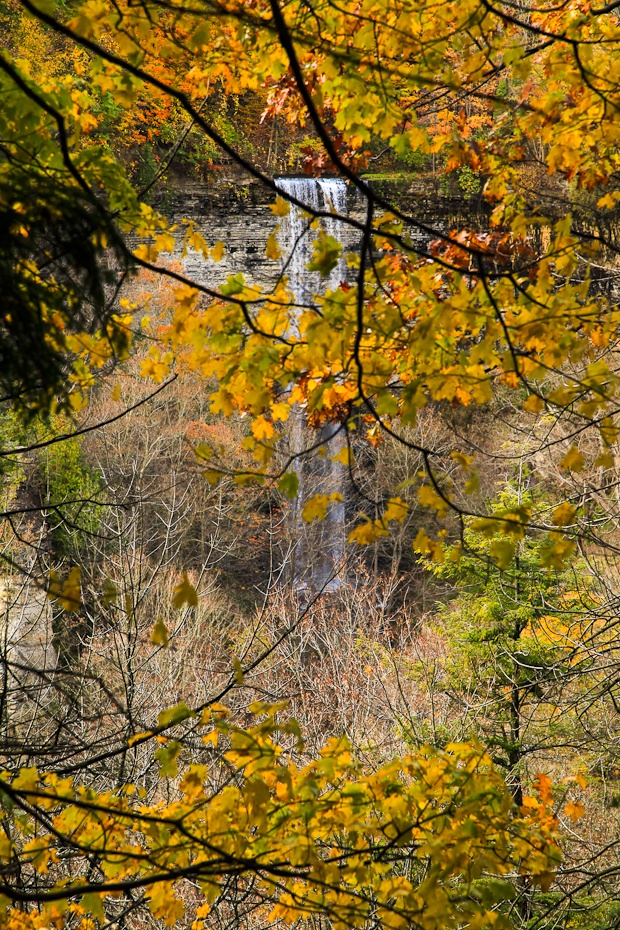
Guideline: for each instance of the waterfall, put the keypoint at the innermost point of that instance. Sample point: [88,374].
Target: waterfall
[317,550]
[296,238]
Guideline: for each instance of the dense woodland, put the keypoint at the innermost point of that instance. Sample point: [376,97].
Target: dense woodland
[188,735]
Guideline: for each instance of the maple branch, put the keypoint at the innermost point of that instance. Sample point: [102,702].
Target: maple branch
[603,10]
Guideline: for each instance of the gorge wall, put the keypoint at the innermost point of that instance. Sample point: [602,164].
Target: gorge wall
[239,216]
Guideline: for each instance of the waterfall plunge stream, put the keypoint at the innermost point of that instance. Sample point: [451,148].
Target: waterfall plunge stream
[317,549]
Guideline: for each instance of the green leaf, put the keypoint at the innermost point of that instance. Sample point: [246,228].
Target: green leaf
[498,889]
[326,253]
[166,756]
[110,592]
[233,285]
[289,485]
[174,715]
[93,904]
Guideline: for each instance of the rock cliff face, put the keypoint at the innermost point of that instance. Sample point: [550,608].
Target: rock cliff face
[239,216]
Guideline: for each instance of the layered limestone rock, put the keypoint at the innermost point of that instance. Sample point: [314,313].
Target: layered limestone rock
[239,215]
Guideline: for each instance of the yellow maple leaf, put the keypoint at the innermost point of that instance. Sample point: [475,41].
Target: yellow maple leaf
[397,509]
[146,253]
[424,545]
[280,411]
[281,207]
[155,369]
[217,252]
[159,634]
[165,242]
[544,788]
[604,460]
[316,507]
[429,497]
[608,201]
[272,249]
[502,550]
[367,533]
[345,456]
[69,592]
[461,459]
[196,241]
[573,460]
[533,404]
[563,514]
[262,428]
[184,593]
[575,810]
